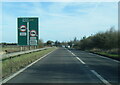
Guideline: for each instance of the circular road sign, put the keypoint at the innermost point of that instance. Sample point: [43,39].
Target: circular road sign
[23,28]
[33,33]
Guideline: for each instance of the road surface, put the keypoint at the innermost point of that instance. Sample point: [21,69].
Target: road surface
[71,66]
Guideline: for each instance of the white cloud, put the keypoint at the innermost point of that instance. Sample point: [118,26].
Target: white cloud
[57,24]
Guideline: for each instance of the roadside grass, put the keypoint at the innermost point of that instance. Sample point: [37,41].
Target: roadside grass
[108,54]
[14,64]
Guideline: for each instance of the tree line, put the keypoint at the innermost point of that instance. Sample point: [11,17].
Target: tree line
[101,41]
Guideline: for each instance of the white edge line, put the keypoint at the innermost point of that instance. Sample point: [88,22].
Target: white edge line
[15,74]
[100,77]
[108,58]
[105,57]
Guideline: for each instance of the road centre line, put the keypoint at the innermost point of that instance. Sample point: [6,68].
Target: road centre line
[15,74]
[100,77]
[80,60]
[77,57]
[93,71]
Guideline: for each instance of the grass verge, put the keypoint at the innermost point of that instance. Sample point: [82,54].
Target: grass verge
[14,64]
[113,56]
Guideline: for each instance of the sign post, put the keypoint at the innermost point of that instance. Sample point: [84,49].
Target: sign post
[28,31]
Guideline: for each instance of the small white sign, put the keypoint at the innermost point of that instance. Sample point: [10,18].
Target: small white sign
[33,38]
[23,34]
[33,42]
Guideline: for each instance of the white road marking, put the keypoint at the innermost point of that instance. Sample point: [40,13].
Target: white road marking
[105,57]
[80,60]
[108,58]
[73,54]
[15,74]
[100,77]
[94,72]
[77,57]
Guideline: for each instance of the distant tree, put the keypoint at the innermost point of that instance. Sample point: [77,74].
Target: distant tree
[49,43]
[57,43]
[102,40]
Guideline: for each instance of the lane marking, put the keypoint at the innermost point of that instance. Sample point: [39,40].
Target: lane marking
[105,57]
[77,57]
[15,74]
[80,60]
[100,77]
[108,58]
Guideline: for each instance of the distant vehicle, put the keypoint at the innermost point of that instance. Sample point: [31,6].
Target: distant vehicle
[67,46]
[63,46]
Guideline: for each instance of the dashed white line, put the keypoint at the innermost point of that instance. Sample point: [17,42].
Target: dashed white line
[80,60]
[100,77]
[15,74]
[94,72]
[77,57]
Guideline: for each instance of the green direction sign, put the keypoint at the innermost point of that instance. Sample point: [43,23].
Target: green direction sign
[28,31]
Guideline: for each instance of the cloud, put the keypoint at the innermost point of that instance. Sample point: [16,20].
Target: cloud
[62,21]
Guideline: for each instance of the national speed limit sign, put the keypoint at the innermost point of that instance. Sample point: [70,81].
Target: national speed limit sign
[23,28]
[33,33]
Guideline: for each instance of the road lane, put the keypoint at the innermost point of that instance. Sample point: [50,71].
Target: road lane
[107,68]
[58,67]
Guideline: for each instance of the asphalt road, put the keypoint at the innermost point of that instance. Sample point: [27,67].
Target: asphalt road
[71,66]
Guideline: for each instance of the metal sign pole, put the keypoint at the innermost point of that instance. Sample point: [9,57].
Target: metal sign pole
[21,48]
[28,33]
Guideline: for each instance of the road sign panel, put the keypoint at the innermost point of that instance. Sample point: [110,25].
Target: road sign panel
[22,33]
[33,27]
[28,31]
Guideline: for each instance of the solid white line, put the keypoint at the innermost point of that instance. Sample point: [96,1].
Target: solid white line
[80,60]
[15,74]
[108,58]
[105,57]
[100,77]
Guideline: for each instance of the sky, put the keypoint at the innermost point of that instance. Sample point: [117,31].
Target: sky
[62,21]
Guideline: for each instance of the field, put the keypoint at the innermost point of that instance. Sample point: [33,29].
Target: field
[15,48]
